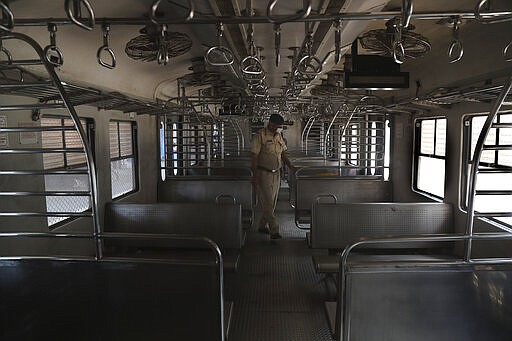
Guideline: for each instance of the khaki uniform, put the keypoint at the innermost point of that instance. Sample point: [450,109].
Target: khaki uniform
[269,147]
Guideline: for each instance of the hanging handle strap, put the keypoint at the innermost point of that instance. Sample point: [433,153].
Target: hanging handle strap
[76,15]
[6,52]
[52,53]
[337,41]
[228,55]
[9,15]
[481,16]
[277,43]
[154,8]
[107,49]
[407,8]
[507,52]
[456,49]
[303,13]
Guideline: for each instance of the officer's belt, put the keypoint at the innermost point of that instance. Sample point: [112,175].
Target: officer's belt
[268,170]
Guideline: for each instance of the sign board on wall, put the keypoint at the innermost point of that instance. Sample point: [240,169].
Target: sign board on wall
[28,137]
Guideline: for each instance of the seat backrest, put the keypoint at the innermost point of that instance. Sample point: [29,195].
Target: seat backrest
[221,222]
[110,300]
[207,189]
[334,226]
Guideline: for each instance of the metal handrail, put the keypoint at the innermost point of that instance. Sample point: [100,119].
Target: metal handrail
[211,19]
[476,159]
[342,309]
[91,167]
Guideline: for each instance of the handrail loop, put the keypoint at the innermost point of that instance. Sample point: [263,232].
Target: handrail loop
[507,52]
[302,14]
[327,195]
[6,52]
[226,196]
[9,15]
[162,56]
[337,41]
[223,50]
[277,43]
[75,17]
[154,8]
[456,49]
[398,50]
[309,65]
[251,65]
[52,53]
[481,16]
[407,8]
[106,48]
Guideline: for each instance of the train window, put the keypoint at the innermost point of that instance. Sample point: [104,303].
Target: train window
[430,155]
[54,161]
[491,162]
[123,161]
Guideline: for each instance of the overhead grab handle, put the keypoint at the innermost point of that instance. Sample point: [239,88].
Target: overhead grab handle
[162,56]
[456,49]
[106,48]
[251,65]
[507,52]
[52,53]
[154,8]
[277,43]
[224,196]
[76,15]
[337,41]
[319,197]
[484,17]
[407,8]
[304,13]
[6,53]
[224,51]
[8,15]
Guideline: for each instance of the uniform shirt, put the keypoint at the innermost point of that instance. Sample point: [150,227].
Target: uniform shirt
[269,147]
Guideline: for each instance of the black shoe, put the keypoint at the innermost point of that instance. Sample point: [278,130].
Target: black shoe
[275,236]
[264,230]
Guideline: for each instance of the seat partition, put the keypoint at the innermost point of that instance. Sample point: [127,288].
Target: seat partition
[112,298]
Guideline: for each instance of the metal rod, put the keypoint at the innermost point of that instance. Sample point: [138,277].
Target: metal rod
[32,106]
[36,129]
[46,214]
[41,151]
[210,19]
[49,194]
[49,172]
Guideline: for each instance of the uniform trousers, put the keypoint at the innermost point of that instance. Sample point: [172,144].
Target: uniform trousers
[267,190]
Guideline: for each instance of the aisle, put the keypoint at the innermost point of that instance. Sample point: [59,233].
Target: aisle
[277,295]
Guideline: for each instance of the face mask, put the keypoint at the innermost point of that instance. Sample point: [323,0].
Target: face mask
[279,130]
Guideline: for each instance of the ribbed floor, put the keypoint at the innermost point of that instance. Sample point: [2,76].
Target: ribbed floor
[276,293]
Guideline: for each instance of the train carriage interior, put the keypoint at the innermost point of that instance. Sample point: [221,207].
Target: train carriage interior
[127,204]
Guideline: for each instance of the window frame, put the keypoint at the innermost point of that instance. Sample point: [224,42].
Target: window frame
[417,154]
[90,135]
[134,155]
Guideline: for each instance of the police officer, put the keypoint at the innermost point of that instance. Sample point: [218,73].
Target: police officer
[268,149]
